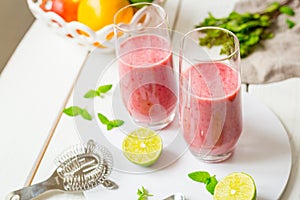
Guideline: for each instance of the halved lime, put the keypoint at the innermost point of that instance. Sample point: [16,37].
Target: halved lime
[237,185]
[142,146]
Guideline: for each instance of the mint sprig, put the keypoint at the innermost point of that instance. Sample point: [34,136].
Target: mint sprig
[204,177]
[143,194]
[100,90]
[110,124]
[76,110]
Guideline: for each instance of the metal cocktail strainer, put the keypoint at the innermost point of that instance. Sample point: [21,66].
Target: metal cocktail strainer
[79,168]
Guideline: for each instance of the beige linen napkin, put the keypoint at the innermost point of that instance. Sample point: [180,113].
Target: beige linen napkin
[277,58]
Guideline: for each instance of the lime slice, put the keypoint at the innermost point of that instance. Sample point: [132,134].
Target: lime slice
[142,146]
[235,186]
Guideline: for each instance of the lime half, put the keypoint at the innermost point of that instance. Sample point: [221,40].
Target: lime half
[142,146]
[235,186]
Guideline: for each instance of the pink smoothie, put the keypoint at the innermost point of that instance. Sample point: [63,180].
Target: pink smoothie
[146,79]
[211,117]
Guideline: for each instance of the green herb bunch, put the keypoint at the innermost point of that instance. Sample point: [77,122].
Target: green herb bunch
[250,28]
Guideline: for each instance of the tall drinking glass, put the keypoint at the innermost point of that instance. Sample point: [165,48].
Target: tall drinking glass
[147,81]
[210,92]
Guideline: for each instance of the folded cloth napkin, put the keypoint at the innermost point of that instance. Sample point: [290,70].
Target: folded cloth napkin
[277,58]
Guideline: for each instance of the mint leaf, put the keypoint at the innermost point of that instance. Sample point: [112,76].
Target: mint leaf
[91,94]
[109,126]
[139,192]
[140,1]
[75,110]
[199,176]
[290,23]
[287,10]
[144,190]
[272,7]
[211,184]
[104,88]
[72,111]
[85,114]
[103,119]
[116,122]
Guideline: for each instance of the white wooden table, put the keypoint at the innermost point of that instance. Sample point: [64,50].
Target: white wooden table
[37,84]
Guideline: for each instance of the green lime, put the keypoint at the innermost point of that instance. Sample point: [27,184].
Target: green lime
[237,185]
[142,146]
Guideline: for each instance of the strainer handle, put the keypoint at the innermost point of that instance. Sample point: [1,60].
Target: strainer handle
[28,192]
[35,190]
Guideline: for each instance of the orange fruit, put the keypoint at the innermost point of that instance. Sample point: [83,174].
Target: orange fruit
[67,9]
[99,13]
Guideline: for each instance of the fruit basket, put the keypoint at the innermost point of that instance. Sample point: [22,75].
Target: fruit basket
[77,31]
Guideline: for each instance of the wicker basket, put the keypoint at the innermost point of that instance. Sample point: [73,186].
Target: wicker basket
[77,31]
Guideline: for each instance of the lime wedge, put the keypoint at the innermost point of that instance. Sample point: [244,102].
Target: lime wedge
[235,186]
[142,147]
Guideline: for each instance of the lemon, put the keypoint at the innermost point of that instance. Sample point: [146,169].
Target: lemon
[142,147]
[237,185]
[99,13]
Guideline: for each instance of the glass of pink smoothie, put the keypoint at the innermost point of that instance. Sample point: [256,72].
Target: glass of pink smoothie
[147,82]
[210,93]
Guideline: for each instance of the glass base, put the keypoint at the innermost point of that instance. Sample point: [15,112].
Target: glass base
[157,125]
[213,158]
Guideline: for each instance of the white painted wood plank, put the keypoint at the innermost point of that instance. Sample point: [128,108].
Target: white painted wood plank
[65,137]
[283,99]
[33,87]
[66,134]
[172,8]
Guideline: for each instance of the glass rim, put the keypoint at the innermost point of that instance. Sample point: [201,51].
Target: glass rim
[164,17]
[236,45]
